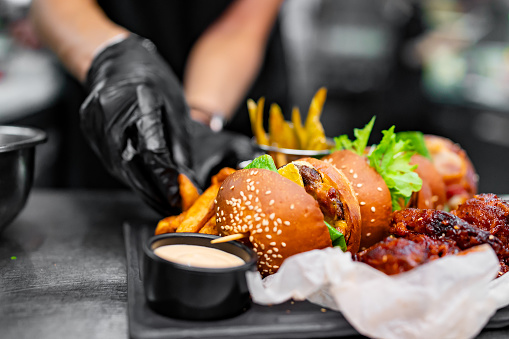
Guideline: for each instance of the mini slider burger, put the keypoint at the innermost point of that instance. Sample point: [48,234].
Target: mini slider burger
[382,176]
[305,205]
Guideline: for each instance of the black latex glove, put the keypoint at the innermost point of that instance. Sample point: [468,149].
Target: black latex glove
[137,120]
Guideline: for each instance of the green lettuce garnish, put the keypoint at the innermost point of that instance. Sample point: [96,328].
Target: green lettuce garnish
[391,159]
[416,140]
[361,139]
[264,161]
[337,238]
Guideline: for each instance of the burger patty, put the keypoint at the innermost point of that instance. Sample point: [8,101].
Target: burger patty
[326,195]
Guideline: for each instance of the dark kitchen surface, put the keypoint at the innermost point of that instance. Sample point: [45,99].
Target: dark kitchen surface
[63,269]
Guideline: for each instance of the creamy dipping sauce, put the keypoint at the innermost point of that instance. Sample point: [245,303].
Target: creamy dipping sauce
[198,256]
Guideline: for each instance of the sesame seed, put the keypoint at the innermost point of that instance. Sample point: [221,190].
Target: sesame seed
[351,171]
[273,243]
[292,206]
[379,189]
[373,209]
[268,192]
[232,187]
[362,203]
[355,175]
[368,234]
[372,220]
[272,216]
[491,237]
[269,236]
[286,222]
[359,185]
[283,244]
[279,232]
[271,202]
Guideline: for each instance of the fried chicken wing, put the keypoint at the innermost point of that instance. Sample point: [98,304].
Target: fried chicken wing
[397,255]
[488,212]
[443,225]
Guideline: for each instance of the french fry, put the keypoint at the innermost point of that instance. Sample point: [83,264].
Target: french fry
[188,192]
[300,132]
[221,175]
[316,139]
[256,118]
[210,227]
[280,132]
[201,211]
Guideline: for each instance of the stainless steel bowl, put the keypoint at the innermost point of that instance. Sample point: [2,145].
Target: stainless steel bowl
[282,156]
[17,158]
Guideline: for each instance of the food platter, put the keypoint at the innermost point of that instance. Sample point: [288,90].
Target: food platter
[290,319]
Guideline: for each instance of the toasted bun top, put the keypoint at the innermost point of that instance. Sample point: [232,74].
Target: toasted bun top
[279,216]
[430,177]
[351,207]
[371,192]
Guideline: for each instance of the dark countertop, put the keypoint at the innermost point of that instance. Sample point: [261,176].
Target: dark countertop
[68,277]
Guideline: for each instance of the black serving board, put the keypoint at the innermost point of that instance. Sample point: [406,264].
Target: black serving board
[289,320]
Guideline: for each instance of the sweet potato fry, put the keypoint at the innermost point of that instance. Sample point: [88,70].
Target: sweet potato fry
[221,175]
[201,211]
[210,227]
[188,192]
[169,224]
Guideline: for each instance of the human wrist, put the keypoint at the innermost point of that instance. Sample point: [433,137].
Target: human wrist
[214,119]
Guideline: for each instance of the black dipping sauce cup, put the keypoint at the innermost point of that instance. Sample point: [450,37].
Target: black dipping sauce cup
[196,293]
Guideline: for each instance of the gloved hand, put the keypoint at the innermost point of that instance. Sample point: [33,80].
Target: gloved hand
[137,120]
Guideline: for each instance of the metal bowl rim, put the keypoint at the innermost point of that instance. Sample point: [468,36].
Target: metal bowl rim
[34,136]
[290,151]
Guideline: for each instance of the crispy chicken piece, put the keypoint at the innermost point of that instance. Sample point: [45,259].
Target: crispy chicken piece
[397,255]
[488,212]
[421,235]
[443,225]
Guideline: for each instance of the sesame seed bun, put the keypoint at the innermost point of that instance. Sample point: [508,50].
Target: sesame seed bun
[280,218]
[350,204]
[371,192]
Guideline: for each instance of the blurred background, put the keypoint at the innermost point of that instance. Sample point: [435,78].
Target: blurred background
[438,66]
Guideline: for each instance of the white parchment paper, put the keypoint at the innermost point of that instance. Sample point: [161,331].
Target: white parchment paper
[452,297]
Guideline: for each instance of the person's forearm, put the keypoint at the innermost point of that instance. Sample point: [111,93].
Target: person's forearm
[74,30]
[226,59]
